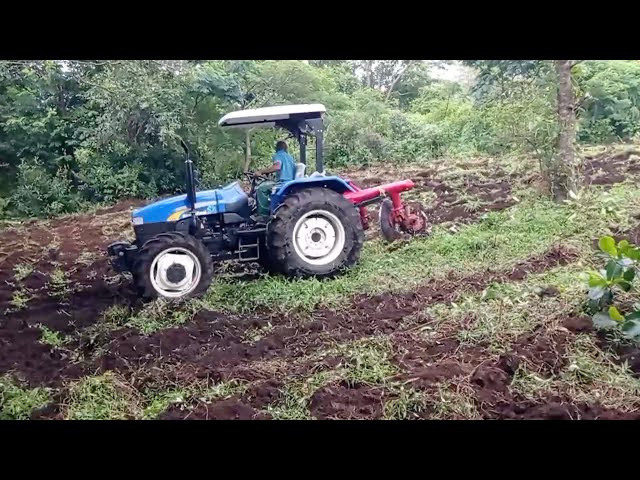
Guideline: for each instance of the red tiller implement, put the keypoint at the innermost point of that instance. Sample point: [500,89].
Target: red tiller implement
[396,216]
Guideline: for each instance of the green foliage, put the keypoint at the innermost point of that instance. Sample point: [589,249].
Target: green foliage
[616,278]
[79,132]
[610,107]
[17,403]
[39,193]
[104,397]
[158,315]
[51,337]
[22,271]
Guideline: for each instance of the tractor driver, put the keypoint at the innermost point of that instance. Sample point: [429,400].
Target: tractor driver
[284,166]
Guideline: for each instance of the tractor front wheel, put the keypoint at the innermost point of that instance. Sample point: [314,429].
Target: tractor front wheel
[173,266]
[315,232]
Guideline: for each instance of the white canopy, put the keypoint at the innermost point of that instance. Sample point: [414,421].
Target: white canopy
[267,116]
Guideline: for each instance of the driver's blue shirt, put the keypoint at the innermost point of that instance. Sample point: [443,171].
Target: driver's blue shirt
[287,170]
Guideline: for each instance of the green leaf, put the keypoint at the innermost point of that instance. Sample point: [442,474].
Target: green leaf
[602,320]
[629,275]
[615,314]
[623,246]
[608,245]
[597,293]
[631,329]
[633,253]
[613,270]
[623,284]
[597,280]
[632,316]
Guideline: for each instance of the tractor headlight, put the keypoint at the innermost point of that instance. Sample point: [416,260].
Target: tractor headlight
[137,220]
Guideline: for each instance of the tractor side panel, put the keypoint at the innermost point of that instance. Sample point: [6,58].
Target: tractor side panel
[333,183]
[230,198]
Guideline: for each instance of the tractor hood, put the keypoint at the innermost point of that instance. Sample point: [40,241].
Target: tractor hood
[222,200]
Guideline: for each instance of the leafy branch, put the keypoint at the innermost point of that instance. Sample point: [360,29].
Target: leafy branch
[619,274]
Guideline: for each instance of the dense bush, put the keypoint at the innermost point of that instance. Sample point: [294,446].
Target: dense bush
[77,132]
[39,193]
[611,100]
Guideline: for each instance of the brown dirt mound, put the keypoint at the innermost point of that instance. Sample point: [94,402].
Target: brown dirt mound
[608,169]
[264,393]
[345,402]
[578,324]
[555,409]
[496,401]
[33,362]
[542,351]
[428,363]
[230,409]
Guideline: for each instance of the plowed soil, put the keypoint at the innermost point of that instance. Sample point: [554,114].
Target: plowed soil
[214,347]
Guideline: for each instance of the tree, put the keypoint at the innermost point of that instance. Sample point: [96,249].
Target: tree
[382,74]
[562,171]
[409,87]
[503,80]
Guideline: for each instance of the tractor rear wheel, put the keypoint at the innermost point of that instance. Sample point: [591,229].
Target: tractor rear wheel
[173,266]
[315,232]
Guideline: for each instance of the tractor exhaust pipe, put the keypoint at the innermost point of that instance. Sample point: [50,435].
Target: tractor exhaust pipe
[191,184]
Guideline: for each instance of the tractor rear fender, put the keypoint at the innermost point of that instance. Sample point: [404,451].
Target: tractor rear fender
[336,184]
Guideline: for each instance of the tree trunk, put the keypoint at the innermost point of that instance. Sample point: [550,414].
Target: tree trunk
[369,70]
[397,78]
[247,150]
[562,172]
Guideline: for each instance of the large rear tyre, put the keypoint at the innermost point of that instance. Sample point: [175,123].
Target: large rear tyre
[172,266]
[315,232]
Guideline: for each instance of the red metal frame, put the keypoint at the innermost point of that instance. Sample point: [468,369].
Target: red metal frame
[401,213]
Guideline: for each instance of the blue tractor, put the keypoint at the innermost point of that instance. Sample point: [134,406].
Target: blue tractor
[315,226]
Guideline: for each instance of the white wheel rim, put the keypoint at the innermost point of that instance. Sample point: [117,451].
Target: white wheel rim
[172,256]
[318,237]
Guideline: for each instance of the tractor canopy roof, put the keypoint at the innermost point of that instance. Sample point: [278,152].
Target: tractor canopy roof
[281,116]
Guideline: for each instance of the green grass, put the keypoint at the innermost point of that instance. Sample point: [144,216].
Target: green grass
[505,310]
[59,282]
[454,402]
[111,397]
[17,403]
[296,395]
[161,314]
[22,271]
[366,362]
[498,240]
[51,337]
[253,335]
[157,402]
[20,299]
[104,397]
[407,404]
[591,376]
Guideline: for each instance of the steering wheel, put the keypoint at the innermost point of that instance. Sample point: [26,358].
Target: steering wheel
[254,179]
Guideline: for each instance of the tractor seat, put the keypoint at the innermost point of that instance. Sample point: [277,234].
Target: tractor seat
[300,169]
